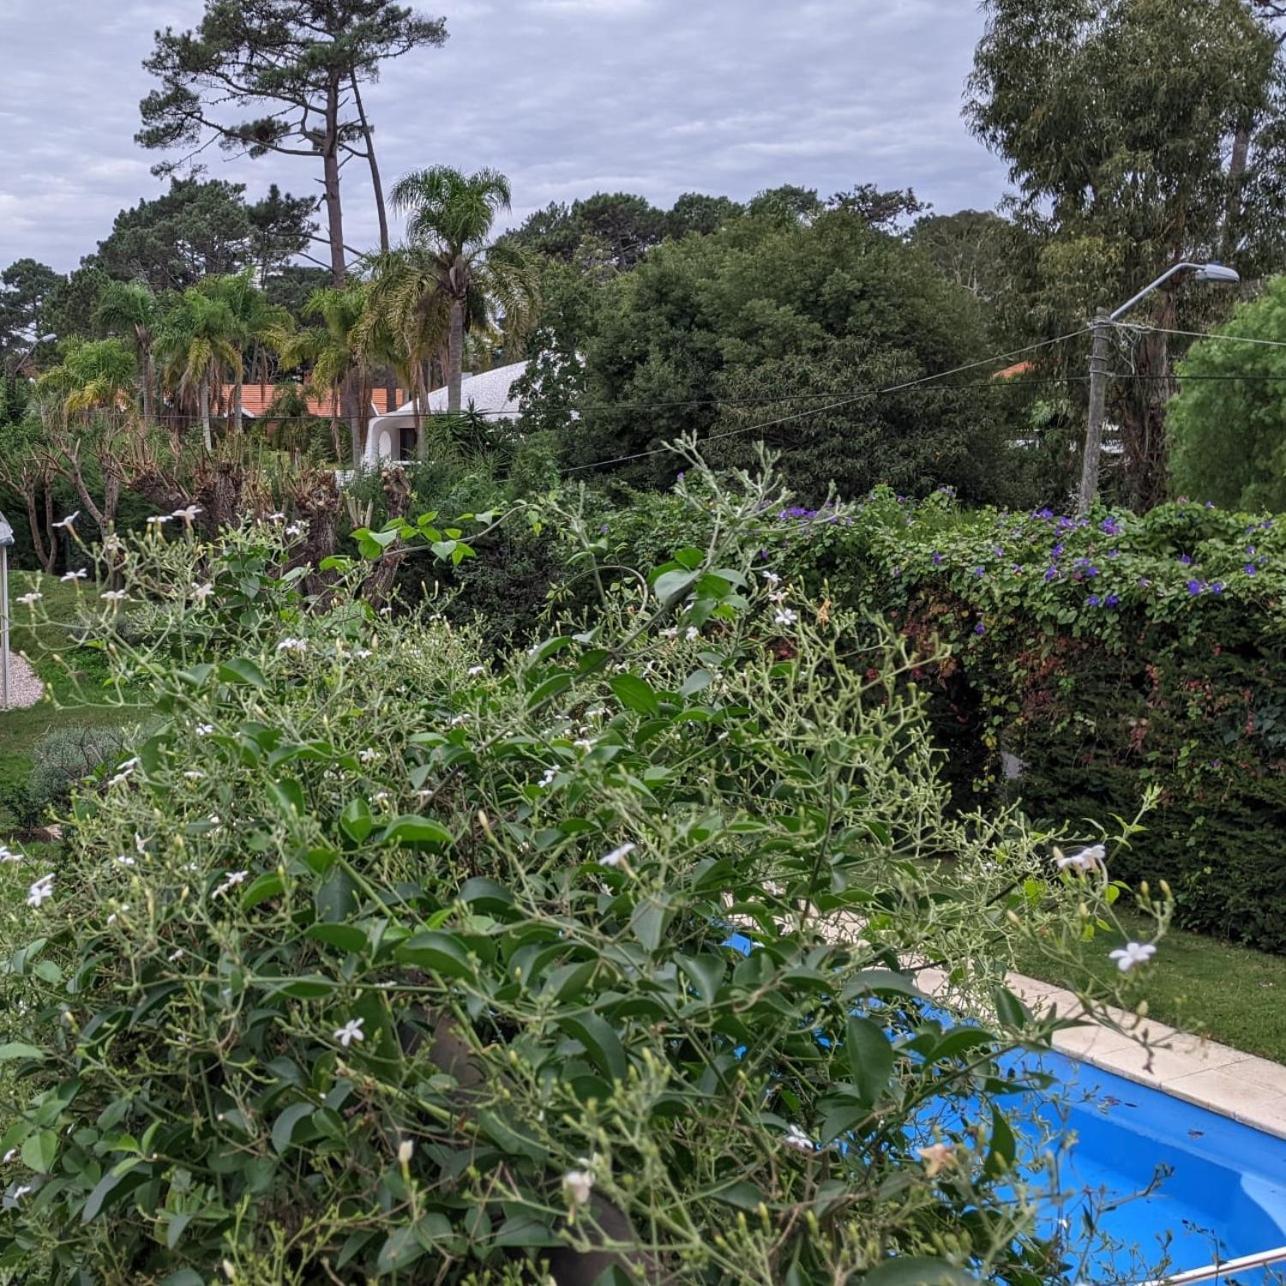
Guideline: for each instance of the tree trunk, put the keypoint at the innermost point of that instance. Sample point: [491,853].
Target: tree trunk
[352,413]
[149,383]
[455,356]
[234,419]
[51,562]
[377,185]
[1143,413]
[420,375]
[204,397]
[1236,178]
[330,168]
[46,560]
[334,427]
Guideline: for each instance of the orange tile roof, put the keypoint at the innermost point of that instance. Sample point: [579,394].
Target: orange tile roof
[257,398]
[1019,368]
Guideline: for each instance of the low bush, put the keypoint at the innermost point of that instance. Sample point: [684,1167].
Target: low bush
[395,959]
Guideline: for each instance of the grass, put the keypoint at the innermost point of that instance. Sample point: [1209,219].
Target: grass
[64,702]
[1231,994]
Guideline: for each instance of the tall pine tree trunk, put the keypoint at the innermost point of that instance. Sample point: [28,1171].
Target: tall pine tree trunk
[330,184]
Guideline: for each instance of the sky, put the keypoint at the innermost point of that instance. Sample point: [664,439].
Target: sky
[566,97]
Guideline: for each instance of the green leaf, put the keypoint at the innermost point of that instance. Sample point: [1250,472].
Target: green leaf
[268,885]
[704,972]
[288,795]
[442,953]
[1009,1009]
[336,897]
[601,1043]
[742,1195]
[648,922]
[635,694]
[1000,1157]
[174,1227]
[240,671]
[672,585]
[485,895]
[918,1270]
[311,987]
[184,1277]
[39,1151]
[283,1128]
[568,981]
[411,829]
[16,1049]
[120,1183]
[356,821]
[346,937]
[696,682]
[870,1058]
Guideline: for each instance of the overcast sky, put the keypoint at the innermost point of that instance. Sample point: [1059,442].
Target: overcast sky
[567,97]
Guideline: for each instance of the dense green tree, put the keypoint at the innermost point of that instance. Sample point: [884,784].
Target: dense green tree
[199,341]
[130,309]
[1228,422]
[94,375]
[25,290]
[888,210]
[1123,144]
[295,68]
[449,220]
[787,204]
[73,302]
[202,228]
[697,212]
[256,325]
[779,330]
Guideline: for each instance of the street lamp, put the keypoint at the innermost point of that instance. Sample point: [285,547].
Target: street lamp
[6,541]
[1214,272]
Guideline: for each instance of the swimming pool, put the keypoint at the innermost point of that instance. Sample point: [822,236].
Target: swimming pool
[1218,1188]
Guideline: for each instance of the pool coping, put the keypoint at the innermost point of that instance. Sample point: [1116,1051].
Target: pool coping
[1217,1077]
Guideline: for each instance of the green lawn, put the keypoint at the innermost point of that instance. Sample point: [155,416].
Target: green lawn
[1231,994]
[63,704]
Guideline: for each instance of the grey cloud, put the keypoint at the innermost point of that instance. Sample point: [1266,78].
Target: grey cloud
[566,96]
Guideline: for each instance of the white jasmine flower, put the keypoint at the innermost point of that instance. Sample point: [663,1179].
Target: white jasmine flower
[785,616]
[114,596]
[230,881]
[42,889]
[368,755]
[73,576]
[124,859]
[9,1156]
[1133,953]
[27,599]
[67,522]
[295,529]
[583,743]
[349,1032]
[380,797]
[201,592]
[140,844]
[21,1191]
[617,855]
[691,633]
[176,954]
[550,774]
[936,1157]
[1086,860]
[578,1184]
[475,670]
[195,774]
[771,577]
[797,1139]
[8,855]
[277,517]
[405,1150]
[362,653]
[457,720]
[187,514]
[671,633]
[292,645]
[159,520]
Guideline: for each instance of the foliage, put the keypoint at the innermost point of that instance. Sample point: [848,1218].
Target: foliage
[25,289]
[386,954]
[61,759]
[1130,156]
[1227,426]
[1107,657]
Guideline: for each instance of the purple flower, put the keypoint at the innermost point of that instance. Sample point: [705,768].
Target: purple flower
[979,572]
[1051,572]
[680,475]
[998,550]
[1250,549]
[1250,569]
[1091,571]
[937,559]
[1111,601]
[1065,524]
[1043,513]
[1216,587]
[1094,600]
[1194,587]
[1210,504]
[980,628]
[1114,553]
[1110,526]
[1057,551]
[1186,559]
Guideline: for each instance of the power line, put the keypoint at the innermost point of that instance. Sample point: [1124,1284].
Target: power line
[1142,328]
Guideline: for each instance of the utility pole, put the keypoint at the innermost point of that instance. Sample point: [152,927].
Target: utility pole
[1098,403]
[6,540]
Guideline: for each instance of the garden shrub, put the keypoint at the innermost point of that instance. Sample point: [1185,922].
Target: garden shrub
[65,756]
[391,958]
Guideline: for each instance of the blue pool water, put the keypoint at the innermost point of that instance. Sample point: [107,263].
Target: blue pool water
[1213,1188]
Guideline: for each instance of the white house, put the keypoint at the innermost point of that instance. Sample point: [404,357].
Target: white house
[392,437]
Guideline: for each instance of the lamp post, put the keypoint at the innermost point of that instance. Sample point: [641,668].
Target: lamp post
[1100,327]
[6,540]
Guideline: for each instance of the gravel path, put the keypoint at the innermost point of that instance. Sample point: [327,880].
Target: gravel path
[24,687]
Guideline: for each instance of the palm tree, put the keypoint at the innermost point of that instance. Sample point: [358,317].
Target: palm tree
[337,355]
[450,217]
[130,309]
[256,323]
[198,341]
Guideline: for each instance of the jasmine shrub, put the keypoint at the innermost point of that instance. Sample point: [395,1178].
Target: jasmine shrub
[384,958]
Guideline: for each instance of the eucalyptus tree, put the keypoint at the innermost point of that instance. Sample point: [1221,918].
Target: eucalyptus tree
[1123,146]
[130,309]
[282,77]
[450,217]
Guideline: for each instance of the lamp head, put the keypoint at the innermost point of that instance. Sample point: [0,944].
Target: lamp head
[1217,272]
